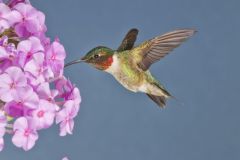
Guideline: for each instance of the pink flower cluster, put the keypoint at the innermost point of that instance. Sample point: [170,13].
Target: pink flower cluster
[33,90]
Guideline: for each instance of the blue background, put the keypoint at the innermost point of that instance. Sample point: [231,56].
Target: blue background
[115,124]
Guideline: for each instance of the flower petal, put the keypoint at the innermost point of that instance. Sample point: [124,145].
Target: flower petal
[13,17]
[30,141]
[19,139]
[20,124]
[17,76]
[3,52]
[4,9]
[24,46]
[1,144]
[36,45]
[5,80]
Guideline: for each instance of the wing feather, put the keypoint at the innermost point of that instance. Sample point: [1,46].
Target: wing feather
[160,46]
[129,40]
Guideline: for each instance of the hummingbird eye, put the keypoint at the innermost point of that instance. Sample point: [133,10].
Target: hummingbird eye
[96,56]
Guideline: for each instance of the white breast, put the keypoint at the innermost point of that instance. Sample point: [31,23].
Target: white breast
[114,68]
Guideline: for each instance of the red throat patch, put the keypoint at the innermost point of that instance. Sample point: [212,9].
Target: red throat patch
[107,63]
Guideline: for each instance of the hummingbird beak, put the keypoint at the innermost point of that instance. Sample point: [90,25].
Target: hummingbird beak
[74,62]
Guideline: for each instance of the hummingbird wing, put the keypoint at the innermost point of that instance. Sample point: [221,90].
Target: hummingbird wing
[155,49]
[128,41]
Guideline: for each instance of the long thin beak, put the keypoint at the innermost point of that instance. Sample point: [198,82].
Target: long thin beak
[74,62]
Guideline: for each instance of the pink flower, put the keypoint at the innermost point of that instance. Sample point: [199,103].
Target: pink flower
[3,53]
[25,133]
[15,109]
[35,68]
[39,72]
[12,3]
[7,17]
[25,101]
[9,48]
[65,117]
[63,86]
[75,96]
[65,158]
[4,41]
[55,56]
[3,123]
[3,25]
[43,116]
[7,54]
[32,21]
[29,64]
[68,91]
[10,82]
[4,11]
[28,48]
[1,144]
[44,92]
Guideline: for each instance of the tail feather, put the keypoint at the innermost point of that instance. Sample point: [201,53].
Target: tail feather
[159,100]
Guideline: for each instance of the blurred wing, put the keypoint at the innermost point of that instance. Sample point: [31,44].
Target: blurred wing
[158,47]
[128,41]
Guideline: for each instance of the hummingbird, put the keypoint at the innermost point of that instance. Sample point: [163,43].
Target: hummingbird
[130,65]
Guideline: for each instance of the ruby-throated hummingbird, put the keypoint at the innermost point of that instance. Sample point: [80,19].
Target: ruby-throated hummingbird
[130,65]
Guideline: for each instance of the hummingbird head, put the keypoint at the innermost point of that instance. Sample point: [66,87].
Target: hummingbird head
[99,57]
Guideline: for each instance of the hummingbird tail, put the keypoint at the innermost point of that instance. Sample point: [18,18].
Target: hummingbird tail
[160,100]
